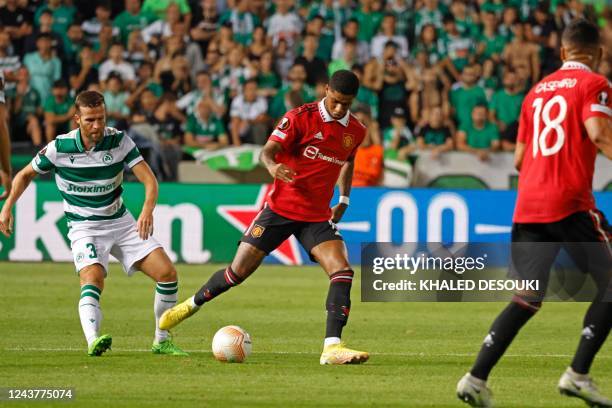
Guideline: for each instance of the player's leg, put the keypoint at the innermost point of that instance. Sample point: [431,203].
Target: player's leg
[92,283]
[148,256]
[158,266]
[589,236]
[529,259]
[325,246]
[267,231]
[91,261]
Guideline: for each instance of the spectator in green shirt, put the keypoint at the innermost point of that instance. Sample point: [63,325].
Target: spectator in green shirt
[297,78]
[158,9]
[435,136]
[479,136]
[59,111]
[204,130]
[429,43]
[365,96]
[431,12]
[132,18]
[490,43]
[465,95]
[398,137]
[268,81]
[348,59]
[505,108]
[63,15]
[26,107]
[44,68]
[369,17]
[115,97]
[459,49]
[242,22]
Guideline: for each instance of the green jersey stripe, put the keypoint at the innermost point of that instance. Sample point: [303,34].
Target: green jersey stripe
[110,141]
[90,294]
[132,154]
[76,217]
[43,163]
[91,287]
[66,145]
[89,173]
[92,201]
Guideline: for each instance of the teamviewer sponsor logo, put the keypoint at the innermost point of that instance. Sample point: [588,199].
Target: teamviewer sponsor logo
[313,153]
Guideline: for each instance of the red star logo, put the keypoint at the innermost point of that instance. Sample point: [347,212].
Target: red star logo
[241,217]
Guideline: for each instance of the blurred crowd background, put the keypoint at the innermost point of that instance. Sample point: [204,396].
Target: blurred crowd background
[185,75]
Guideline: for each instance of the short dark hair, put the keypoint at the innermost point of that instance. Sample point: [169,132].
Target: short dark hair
[88,99]
[44,36]
[581,33]
[345,82]
[60,83]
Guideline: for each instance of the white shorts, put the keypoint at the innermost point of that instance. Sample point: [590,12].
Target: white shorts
[93,241]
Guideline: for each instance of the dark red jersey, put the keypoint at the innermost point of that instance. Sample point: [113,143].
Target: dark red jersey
[315,146]
[556,175]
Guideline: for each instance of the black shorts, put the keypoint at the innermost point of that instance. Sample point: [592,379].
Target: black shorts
[585,236]
[269,229]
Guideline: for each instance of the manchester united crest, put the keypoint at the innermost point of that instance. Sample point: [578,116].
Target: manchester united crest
[257,231]
[348,141]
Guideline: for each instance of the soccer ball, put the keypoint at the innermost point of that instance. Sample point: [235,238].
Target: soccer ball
[231,344]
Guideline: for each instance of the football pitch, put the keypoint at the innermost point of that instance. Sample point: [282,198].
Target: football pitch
[418,350]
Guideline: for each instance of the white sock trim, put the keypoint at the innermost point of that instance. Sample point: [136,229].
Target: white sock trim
[331,340]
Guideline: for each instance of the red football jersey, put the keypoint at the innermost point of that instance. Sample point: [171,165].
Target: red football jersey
[556,175]
[315,146]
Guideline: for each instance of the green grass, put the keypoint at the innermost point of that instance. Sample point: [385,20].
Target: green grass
[419,350]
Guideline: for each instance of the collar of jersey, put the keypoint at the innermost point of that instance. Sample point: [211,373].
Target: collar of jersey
[328,118]
[575,65]
[79,142]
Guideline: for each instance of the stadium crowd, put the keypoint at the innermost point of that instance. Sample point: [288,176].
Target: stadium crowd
[180,75]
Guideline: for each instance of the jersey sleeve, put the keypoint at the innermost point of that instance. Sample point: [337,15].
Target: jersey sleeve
[44,161]
[133,156]
[287,131]
[597,99]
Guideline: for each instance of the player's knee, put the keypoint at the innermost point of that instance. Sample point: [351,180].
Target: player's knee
[92,275]
[168,274]
[532,306]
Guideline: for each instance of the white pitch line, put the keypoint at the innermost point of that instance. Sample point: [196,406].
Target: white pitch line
[137,350]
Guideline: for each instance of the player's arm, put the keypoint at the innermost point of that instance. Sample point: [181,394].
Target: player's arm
[597,114]
[599,130]
[345,181]
[519,153]
[268,159]
[145,175]
[6,171]
[21,182]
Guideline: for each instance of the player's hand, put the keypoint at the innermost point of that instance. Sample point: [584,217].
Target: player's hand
[282,172]
[6,222]
[483,155]
[7,182]
[144,226]
[337,212]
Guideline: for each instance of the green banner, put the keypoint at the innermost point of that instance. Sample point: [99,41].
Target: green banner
[193,226]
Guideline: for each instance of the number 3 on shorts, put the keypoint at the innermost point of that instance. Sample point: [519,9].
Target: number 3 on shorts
[92,251]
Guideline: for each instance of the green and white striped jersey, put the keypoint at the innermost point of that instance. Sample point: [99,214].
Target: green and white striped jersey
[89,181]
